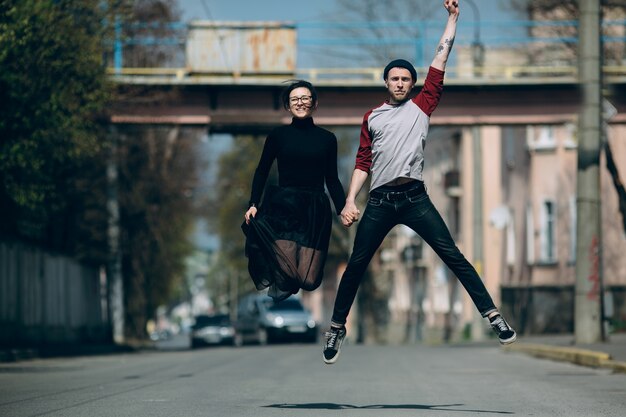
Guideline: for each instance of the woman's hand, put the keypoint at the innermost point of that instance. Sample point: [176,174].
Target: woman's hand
[250,213]
[349,214]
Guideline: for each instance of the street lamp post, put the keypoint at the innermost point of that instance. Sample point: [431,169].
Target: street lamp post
[478,49]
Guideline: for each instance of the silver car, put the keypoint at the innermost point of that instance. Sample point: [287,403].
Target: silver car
[261,320]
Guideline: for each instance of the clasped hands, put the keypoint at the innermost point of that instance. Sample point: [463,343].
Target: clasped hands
[349,214]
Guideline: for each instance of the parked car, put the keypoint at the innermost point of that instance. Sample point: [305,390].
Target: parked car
[158,335]
[261,320]
[212,330]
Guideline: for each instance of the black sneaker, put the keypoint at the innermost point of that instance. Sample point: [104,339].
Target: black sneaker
[334,339]
[505,333]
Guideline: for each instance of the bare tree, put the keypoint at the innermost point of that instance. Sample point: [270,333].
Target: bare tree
[613,52]
[619,186]
[562,16]
[152,35]
[370,33]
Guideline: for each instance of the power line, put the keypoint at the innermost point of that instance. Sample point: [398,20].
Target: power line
[220,38]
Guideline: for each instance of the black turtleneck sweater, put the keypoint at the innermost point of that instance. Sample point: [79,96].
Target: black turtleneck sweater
[306,156]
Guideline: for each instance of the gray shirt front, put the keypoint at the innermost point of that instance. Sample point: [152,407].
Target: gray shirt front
[398,140]
[393,136]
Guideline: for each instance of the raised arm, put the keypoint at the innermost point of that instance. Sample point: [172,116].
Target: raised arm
[447,39]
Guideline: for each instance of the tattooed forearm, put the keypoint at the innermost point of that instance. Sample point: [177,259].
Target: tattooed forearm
[445,46]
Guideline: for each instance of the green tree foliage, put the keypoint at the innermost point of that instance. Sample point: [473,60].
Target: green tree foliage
[55,144]
[158,173]
[225,212]
[50,100]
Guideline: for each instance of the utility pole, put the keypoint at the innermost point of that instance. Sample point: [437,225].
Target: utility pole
[478,325]
[588,299]
[114,264]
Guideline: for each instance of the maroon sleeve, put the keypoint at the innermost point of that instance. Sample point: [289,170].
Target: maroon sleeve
[429,97]
[364,154]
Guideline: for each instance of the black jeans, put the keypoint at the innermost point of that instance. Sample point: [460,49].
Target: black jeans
[410,205]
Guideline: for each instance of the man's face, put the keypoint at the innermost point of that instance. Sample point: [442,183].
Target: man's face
[399,83]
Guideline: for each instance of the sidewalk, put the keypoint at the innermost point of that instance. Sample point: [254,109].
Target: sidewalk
[18,354]
[610,355]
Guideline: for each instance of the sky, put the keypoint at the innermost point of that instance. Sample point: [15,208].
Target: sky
[303,11]
[493,16]
[254,9]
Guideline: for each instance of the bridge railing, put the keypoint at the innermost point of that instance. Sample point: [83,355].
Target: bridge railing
[348,52]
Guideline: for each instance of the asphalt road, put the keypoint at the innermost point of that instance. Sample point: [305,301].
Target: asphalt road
[291,380]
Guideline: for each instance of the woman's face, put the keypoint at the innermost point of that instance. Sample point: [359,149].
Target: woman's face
[301,103]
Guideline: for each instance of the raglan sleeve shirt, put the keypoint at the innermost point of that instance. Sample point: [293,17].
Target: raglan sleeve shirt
[364,153]
[427,100]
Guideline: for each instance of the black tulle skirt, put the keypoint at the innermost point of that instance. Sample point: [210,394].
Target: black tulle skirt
[287,241]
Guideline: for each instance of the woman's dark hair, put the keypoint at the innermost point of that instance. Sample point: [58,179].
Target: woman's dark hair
[297,84]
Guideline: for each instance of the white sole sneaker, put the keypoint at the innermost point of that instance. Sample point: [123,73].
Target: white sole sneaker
[509,340]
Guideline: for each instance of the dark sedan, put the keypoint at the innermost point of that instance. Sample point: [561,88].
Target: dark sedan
[212,330]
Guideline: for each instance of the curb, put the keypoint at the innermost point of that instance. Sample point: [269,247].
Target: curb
[15,355]
[577,356]
[55,351]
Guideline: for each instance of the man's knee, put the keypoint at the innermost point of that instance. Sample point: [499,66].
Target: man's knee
[355,269]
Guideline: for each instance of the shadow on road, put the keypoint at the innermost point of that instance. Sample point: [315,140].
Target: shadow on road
[333,406]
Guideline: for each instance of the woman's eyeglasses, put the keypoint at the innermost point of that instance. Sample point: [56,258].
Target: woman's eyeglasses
[302,99]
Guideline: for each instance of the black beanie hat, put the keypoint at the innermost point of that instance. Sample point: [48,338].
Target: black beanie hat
[400,63]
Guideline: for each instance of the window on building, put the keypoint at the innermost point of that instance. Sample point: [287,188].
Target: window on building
[548,231]
[510,241]
[571,136]
[541,137]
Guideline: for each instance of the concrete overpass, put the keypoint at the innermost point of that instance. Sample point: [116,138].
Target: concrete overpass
[253,105]
[233,73]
